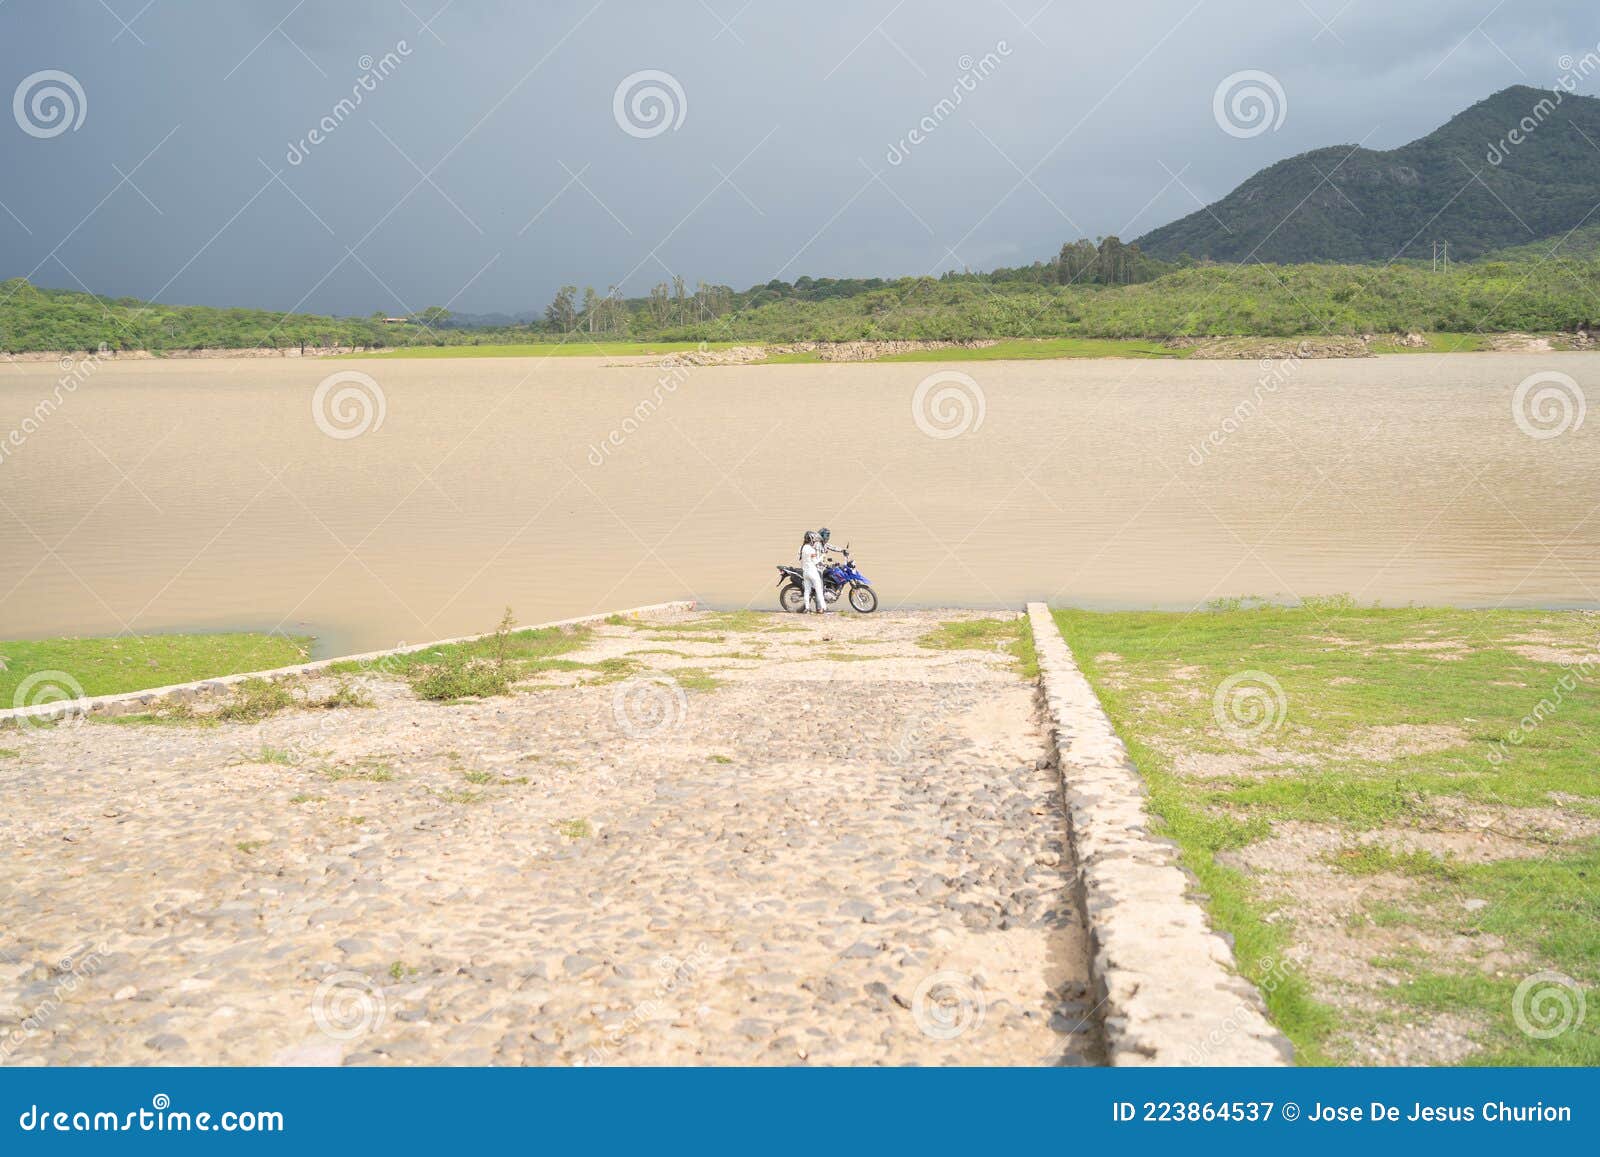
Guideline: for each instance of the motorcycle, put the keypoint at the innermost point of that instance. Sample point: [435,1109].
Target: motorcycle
[837,579]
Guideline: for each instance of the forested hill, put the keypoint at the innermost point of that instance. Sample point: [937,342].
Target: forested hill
[1352,204]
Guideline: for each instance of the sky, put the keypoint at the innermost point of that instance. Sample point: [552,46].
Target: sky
[164,149]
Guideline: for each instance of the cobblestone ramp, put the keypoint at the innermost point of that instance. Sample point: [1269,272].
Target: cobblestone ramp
[850,850]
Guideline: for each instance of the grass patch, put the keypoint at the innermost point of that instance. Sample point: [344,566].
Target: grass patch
[1377,860]
[366,770]
[10,753]
[1355,682]
[276,755]
[575,829]
[1437,343]
[483,667]
[250,847]
[696,679]
[457,678]
[108,666]
[255,700]
[345,694]
[715,623]
[1009,636]
[179,715]
[302,797]
[718,759]
[612,670]
[1548,906]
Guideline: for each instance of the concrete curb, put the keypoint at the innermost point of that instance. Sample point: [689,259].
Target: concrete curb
[1169,989]
[128,702]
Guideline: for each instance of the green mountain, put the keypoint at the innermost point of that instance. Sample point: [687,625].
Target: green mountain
[1522,165]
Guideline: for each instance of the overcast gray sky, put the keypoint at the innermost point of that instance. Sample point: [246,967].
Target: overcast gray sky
[489,166]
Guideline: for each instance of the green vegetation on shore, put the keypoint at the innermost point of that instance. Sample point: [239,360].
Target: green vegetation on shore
[1438,762]
[550,348]
[1545,287]
[107,666]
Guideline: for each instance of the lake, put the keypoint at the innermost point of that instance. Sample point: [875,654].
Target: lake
[193,495]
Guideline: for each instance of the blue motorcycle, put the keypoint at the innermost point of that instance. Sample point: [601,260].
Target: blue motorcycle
[836,579]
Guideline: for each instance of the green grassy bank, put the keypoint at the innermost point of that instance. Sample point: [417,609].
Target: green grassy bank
[108,666]
[1395,813]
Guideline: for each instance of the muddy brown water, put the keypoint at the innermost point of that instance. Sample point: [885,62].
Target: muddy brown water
[165,495]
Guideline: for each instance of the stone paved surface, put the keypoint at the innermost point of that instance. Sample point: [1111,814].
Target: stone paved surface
[850,851]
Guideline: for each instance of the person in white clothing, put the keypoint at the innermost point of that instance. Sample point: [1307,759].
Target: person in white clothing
[811,552]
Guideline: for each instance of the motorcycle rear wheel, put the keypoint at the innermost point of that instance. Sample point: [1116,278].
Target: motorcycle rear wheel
[792,598]
[863,600]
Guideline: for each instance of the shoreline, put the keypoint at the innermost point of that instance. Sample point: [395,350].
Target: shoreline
[700,354]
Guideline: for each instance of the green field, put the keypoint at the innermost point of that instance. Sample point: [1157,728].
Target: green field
[106,666]
[1031,349]
[1438,343]
[1417,825]
[1010,349]
[547,349]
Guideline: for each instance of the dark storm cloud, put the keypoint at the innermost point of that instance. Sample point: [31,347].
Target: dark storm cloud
[468,152]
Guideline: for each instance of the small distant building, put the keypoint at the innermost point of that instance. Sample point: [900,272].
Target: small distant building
[397,321]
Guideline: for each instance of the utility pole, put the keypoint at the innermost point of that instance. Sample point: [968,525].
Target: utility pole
[1441,251]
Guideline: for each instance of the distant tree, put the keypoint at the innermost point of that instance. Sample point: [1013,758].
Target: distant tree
[561,313]
[660,303]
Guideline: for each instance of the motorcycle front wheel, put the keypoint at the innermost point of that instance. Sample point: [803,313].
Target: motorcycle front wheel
[792,599]
[863,600]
